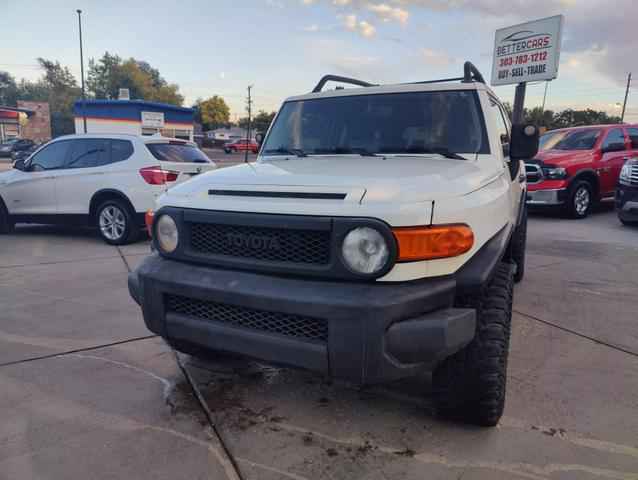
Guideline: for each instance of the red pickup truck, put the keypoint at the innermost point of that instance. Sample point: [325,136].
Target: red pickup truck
[577,167]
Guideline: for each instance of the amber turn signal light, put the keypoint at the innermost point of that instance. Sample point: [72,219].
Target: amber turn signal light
[436,241]
[148,219]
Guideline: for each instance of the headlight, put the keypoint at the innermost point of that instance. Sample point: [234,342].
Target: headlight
[365,251]
[167,234]
[554,173]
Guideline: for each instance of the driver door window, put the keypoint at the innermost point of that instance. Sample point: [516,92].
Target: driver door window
[502,128]
[51,157]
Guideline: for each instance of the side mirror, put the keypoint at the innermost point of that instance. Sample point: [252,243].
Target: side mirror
[259,138]
[524,142]
[19,165]
[613,147]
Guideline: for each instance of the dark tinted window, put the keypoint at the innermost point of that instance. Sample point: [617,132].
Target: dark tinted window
[87,153]
[50,157]
[614,136]
[550,139]
[177,152]
[633,136]
[382,123]
[579,140]
[120,150]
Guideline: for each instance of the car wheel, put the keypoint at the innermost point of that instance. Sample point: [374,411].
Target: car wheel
[627,223]
[226,150]
[518,246]
[470,385]
[580,199]
[6,225]
[116,223]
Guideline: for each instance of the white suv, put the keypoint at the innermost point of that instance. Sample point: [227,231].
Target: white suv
[109,181]
[378,236]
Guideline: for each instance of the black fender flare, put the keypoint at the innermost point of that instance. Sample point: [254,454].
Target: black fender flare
[586,173]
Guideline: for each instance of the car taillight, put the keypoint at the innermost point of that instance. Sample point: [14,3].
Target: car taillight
[158,176]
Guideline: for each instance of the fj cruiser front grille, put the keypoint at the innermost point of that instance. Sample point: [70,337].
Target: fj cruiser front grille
[297,326]
[259,243]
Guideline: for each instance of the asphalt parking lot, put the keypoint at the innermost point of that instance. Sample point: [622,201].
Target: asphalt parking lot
[86,392]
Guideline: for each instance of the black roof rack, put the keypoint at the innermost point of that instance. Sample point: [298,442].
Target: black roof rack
[470,74]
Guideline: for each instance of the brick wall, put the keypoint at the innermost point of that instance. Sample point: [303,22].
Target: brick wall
[38,126]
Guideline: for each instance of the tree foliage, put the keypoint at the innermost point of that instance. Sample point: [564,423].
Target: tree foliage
[212,113]
[260,122]
[566,118]
[110,73]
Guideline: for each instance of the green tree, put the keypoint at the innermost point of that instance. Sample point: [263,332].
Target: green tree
[110,73]
[262,121]
[8,89]
[212,112]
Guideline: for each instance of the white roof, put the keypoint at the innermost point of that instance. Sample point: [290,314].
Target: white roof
[397,88]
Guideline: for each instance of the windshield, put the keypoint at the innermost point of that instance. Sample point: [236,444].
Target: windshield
[578,140]
[177,152]
[399,123]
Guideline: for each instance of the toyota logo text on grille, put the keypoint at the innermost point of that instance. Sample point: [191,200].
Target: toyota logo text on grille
[256,242]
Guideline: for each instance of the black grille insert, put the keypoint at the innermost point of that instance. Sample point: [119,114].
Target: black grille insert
[262,243]
[297,326]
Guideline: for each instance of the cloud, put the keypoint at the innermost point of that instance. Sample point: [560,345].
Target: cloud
[275,3]
[436,58]
[311,28]
[386,13]
[362,27]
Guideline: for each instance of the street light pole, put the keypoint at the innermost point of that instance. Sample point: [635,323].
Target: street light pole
[82,71]
[624,105]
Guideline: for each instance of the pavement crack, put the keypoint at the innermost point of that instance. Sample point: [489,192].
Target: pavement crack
[234,472]
[128,267]
[77,350]
[578,334]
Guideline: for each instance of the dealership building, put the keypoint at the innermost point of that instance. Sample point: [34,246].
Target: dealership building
[134,116]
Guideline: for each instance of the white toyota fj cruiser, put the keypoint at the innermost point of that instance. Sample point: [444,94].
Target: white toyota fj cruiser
[377,236]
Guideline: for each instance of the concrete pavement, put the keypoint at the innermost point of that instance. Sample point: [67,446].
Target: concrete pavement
[85,394]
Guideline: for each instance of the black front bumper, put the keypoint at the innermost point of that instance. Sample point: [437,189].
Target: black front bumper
[375,332]
[626,200]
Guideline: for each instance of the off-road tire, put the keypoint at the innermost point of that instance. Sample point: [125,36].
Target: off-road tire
[574,189]
[518,245]
[6,225]
[626,223]
[131,228]
[470,385]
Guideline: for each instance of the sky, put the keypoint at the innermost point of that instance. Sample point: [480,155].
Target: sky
[283,47]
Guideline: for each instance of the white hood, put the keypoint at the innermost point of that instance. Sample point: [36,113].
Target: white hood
[362,179]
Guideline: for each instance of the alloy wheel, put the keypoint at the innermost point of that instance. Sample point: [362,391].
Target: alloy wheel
[581,200]
[112,223]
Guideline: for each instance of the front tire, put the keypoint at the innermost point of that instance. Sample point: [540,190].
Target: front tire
[470,385]
[116,223]
[580,199]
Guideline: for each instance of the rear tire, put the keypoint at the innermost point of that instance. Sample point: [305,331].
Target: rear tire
[627,223]
[6,224]
[116,223]
[470,385]
[518,246]
[580,199]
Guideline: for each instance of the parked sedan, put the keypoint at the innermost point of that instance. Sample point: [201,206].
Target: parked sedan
[15,145]
[24,154]
[241,146]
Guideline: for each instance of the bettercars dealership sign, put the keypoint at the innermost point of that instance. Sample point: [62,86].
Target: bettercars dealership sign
[528,52]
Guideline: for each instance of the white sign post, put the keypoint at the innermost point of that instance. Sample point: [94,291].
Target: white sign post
[528,52]
[153,119]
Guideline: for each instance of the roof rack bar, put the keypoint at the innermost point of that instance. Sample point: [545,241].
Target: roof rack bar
[471,73]
[336,78]
[436,81]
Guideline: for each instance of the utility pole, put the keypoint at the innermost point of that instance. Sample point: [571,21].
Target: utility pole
[624,105]
[250,103]
[82,71]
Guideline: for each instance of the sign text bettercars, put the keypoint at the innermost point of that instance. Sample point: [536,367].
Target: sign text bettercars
[527,52]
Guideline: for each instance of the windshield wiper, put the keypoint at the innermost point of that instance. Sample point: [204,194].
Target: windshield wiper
[347,150]
[294,151]
[444,152]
